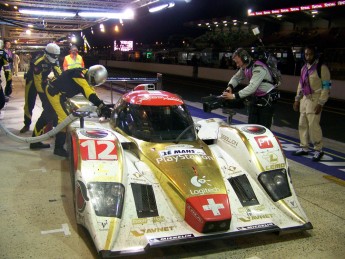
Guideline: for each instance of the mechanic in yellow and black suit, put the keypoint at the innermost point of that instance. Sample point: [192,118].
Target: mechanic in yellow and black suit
[37,79]
[70,83]
[3,61]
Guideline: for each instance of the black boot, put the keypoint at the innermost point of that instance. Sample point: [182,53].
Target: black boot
[60,139]
[39,145]
[60,152]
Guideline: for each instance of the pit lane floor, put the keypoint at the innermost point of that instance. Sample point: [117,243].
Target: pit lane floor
[36,207]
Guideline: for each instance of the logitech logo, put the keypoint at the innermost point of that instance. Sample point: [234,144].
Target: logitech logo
[198,182]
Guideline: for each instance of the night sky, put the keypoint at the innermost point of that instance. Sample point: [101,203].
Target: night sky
[151,27]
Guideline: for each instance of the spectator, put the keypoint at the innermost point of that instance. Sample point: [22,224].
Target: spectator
[261,90]
[16,61]
[312,93]
[73,60]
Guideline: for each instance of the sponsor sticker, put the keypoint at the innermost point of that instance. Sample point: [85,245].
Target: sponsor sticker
[170,238]
[198,181]
[266,225]
[228,140]
[181,151]
[263,142]
[94,133]
[143,231]
[176,159]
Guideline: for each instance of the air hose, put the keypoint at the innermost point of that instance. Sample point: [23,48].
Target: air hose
[81,112]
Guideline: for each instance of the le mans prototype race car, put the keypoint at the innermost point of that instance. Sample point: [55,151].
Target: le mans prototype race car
[153,176]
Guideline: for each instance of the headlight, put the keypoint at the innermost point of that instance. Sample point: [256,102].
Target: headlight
[107,198]
[276,184]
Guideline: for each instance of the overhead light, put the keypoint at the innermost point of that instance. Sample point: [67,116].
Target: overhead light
[128,14]
[161,7]
[47,13]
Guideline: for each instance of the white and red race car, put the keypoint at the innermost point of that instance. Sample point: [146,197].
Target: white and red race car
[153,177]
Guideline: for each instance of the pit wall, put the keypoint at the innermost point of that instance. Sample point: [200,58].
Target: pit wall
[289,83]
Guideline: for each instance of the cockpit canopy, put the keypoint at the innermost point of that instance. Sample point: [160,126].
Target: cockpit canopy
[154,116]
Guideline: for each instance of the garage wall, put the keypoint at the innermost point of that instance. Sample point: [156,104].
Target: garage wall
[289,83]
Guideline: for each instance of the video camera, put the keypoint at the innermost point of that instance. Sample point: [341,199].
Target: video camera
[212,102]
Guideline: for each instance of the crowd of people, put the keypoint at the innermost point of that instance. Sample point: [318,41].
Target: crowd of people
[260,93]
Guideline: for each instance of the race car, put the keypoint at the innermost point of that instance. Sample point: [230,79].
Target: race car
[153,176]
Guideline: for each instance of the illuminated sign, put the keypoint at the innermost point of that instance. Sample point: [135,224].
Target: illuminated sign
[298,8]
[123,45]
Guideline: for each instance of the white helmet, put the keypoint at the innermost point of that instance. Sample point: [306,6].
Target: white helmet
[52,52]
[1,44]
[96,75]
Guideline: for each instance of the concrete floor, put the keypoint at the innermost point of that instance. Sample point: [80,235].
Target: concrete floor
[37,219]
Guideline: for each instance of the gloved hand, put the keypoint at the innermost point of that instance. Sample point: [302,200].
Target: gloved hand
[104,111]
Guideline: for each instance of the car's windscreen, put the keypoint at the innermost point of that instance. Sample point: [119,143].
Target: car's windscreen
[157,123]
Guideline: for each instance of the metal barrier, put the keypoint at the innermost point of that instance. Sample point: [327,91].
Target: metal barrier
[133,80]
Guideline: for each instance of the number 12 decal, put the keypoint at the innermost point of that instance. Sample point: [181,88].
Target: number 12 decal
[98,150]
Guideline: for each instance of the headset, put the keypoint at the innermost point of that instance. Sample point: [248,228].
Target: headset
[243,54]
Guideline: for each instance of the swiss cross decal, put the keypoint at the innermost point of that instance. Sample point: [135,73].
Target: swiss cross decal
[94,149]
[263,142]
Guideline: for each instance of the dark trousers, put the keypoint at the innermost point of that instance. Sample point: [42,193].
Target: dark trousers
[30,101]
[2,98]
[48,116]
[8,87]
[262,115]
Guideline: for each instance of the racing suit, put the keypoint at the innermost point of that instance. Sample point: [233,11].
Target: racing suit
[36,81]
[70,83]
[317,94]
[261,90]
[3,63]
[8,73]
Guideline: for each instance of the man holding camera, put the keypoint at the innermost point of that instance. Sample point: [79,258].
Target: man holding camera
[261,90]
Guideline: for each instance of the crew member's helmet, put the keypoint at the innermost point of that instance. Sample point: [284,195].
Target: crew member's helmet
[96,75]
[1,44]
[243,54]
[52,51]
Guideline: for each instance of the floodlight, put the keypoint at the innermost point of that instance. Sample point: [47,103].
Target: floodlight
[47,13]
[128,14]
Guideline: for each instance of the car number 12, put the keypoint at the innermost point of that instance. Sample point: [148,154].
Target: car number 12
[98,150]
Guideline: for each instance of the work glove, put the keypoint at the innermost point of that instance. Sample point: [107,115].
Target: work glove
[104,111]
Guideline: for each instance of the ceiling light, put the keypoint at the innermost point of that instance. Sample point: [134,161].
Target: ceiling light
[47,13]
[128,14]
[158,8]
[161,7]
